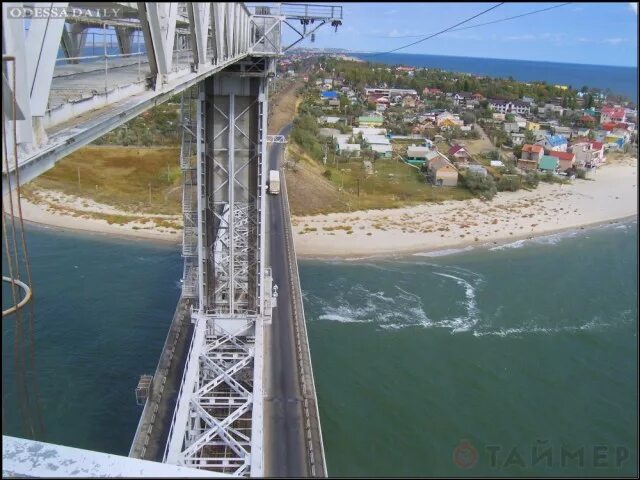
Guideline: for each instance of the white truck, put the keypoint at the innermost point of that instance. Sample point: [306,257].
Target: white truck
[274,182]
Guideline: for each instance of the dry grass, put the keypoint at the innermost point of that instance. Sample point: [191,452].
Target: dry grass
[119,176]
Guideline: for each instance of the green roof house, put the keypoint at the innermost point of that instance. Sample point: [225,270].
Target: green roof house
[370,121]
[548,163]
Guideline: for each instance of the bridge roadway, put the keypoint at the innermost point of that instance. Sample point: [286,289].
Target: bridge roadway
[284,416]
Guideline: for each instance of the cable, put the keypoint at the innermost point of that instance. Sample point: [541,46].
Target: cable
[482,24]
[440,32]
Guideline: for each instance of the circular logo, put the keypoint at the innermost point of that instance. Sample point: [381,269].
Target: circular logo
[465,455]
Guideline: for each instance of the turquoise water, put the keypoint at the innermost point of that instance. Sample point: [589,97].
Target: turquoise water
[529,345]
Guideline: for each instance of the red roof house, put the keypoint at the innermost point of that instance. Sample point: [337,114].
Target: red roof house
[565,159]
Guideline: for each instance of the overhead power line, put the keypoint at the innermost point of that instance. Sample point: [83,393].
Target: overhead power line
[438,33]
[480,24]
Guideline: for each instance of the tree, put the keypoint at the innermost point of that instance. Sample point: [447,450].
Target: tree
[517,151]
[481,186]
[529,137]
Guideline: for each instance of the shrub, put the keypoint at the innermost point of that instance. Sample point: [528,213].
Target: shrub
[327,174]
[483,187]
[531,179]
[510,183]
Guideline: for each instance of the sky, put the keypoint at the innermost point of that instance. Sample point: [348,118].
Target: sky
[591,33]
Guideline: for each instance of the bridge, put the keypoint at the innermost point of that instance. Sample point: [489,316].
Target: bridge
[233,392]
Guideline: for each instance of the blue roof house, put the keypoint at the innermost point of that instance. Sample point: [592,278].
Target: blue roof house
[554,143]
[329,95]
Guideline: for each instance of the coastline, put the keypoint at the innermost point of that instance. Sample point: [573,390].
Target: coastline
[509,217]
[422,229]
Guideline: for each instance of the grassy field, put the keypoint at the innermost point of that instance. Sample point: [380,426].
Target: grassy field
[145,180]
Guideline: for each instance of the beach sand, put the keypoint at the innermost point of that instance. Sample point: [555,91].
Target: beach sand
[67,212]
[510,216]
[611,195]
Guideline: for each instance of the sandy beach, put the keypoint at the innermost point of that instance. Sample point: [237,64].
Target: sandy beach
[67,212]
[510,216]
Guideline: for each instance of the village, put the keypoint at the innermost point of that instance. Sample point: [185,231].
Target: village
[459,139]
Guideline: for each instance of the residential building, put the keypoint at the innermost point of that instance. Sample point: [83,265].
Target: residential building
[446,119]
[557,143]
[566,131]
[431,92]
[588,153]
[459,153]
[329,95]
[379,144]
[511,127]
[517,138]
[417,155]
[461,99]
[612,114]
[442,172]
[368,121]
[530,157]
[547,163]
[551,108]
[506,106]
[369,131]
[477,170]
[532,125]
[331,120]
[409,101]
[566,160]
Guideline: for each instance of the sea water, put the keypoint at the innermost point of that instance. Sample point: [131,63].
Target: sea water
[448,365]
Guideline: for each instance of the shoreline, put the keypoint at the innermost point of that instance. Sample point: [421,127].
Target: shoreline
[428,228]
[469,245]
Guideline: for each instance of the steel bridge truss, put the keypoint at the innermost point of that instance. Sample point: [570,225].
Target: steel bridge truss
[217,422]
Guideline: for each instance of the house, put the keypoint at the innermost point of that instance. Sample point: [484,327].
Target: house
[459,153]
[556,143]
[532,125]
[477,170]
[329,95]
[367,121]
[379,144]
[511,127]
[349,149]
[615,141]
[369,131]
[517,138]
[461,99]
[588,153]
[522,122]
[547,163]
[498,116]
[566,131]
[417,155]
[409,101]
[612,114]
[505,106]
[331,120]
[566,160]
[442,172]
[334,102]
[531,155]
[431,92]
[551,108]
[446,119]
[583,132]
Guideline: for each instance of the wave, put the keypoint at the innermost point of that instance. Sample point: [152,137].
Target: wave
[442,253]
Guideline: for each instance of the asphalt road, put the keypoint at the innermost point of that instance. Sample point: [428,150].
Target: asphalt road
[284,441]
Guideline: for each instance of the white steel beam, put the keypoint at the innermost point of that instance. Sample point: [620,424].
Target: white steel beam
[199,19]
[161,22]
[41,51]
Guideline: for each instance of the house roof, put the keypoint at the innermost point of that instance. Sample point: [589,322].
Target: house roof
[555,140]
[329,94]
[440,161]
[548,162]
[614,112]
[371,119]
[563,155]
[532,148]
[455,149]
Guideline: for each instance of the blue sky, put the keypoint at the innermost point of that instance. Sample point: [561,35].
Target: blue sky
[593,33]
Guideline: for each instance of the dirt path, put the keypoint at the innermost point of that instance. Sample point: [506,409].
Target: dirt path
[282,107]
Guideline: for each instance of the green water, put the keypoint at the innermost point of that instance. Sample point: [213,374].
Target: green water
[529,346]
[510,349]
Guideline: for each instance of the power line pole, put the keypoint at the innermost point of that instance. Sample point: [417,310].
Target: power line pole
[79,186]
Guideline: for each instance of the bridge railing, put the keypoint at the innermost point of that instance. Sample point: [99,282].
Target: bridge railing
[313,430]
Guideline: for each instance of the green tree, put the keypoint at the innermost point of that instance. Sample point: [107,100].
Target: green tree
[481,186]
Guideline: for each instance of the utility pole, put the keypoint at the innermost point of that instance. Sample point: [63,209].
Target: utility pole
[149,194]
[79,186]
[168,180]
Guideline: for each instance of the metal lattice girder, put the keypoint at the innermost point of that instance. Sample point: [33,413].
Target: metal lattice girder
[219,407]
